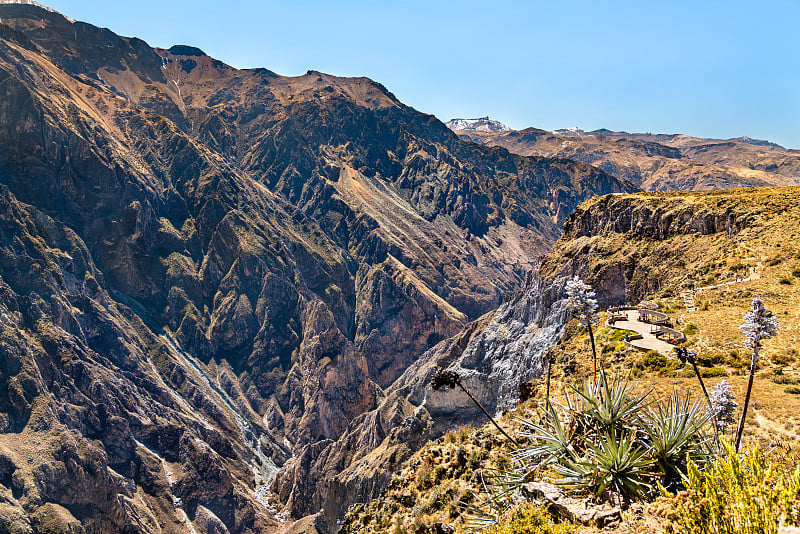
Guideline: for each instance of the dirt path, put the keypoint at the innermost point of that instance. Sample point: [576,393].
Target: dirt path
[754,270]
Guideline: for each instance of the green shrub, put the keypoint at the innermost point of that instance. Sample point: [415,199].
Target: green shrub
[713,372]
[794,390]
[735,495]
[653,360]
[687,371]
[615,334]
[785,281]
[733,359]
[710,359]
[459,435]
[529,519]
[796,272]
[782,359]
[786,380]
[690,329]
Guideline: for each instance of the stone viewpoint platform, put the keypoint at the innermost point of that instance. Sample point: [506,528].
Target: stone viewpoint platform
[650,327]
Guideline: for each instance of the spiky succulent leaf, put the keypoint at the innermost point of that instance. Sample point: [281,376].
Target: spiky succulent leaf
[609,405]
[616,465]
[550,443]
[676,430]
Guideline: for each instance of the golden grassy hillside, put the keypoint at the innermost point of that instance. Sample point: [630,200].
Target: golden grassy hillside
[730,246]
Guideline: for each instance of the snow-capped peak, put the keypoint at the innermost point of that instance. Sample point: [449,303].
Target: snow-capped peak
[569,131]
[484,124]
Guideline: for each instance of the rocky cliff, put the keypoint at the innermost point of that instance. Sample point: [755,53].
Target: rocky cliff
[210,275]
[632,246]
[493,355]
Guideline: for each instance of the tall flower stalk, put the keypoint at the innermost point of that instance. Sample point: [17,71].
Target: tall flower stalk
[759,324]
[583,303]
[723,405]
[685,356]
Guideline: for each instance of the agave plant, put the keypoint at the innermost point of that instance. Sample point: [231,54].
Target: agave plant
[685,356]
[614,442]
[759,324]
[723,405]
[607,406]
[675,431]
[551,443]
[581,300]
[491,510]
[616,467]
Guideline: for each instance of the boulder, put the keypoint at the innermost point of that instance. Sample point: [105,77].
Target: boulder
[579,510]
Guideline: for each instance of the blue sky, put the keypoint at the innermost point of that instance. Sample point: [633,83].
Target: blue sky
[704,68]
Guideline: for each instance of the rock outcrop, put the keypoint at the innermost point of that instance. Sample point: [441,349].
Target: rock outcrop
[494,355]
[569,508]
[630,246]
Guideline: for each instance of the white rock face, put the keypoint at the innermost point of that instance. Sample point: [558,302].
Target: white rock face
[511,350]
[484,124]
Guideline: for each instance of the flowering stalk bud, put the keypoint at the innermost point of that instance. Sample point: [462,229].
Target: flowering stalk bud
[581,300]
[759,324]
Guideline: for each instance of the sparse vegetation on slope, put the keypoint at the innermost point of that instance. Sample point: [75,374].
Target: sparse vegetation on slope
[727,245]
[436,484]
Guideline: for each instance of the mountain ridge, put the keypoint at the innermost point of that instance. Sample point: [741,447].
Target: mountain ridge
[666,139]
[659,161]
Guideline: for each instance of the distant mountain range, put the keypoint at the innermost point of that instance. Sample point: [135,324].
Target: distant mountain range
[666,139]
[653,161]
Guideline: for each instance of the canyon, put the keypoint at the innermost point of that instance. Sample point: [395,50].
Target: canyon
[223,289]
